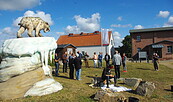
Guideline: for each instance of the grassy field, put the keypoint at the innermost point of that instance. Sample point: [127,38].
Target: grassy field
[79,91]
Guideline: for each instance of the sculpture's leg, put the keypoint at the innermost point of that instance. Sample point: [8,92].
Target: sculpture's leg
[30,32]
[40,35]
[20,31]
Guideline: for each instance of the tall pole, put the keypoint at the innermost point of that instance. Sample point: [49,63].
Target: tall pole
[101,41]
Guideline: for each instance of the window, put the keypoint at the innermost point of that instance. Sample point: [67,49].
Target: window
[169,49]
[138,38]
[138,49]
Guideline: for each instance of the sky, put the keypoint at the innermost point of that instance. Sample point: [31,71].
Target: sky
[75,16]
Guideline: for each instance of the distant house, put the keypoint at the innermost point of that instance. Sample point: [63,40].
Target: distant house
[153,40]
[65,48]
[88,42]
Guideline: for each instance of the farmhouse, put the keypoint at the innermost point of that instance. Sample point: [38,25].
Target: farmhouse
[88,42]
[153,40]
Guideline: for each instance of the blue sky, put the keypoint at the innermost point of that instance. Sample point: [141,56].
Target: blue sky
[74,16]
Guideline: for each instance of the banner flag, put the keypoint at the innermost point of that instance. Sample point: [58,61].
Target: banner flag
[105,39]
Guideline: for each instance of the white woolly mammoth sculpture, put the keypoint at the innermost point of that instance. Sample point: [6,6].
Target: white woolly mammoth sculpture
[31,24]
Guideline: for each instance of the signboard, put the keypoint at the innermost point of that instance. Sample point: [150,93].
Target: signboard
[142,54]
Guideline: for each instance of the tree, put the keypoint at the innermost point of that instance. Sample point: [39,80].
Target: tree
[127,46]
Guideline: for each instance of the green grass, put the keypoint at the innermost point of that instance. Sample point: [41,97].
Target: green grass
[79,91]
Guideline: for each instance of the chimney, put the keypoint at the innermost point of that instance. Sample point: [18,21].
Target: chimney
[70,34]
[81,33]
[96,32]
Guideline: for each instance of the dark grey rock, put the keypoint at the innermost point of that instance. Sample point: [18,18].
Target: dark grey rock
[145,88]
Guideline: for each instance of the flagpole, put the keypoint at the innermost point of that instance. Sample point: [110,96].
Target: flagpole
[101,41]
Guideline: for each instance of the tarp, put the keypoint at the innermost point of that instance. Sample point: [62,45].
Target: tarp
[116,89]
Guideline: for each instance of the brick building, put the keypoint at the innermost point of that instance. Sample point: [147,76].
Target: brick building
[153,40]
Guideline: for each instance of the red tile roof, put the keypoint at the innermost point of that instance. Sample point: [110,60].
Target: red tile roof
[83,39]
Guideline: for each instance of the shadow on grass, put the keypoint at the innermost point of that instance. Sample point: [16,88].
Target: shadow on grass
[168,90]
[143,68]
[91,76]
[64,77]
[92,97]
[132,92]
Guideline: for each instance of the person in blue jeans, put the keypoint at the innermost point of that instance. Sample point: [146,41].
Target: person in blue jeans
[57,59]
[116,61]
[78,66]
[100,57]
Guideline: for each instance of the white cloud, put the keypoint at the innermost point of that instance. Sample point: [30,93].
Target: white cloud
[117,39]
[7,30]
[121,26]
[170,22]
[18,4]
[41,14]
[85,24]
[120,18]
[138,27]
[7,33]
[60,33]
[163,14]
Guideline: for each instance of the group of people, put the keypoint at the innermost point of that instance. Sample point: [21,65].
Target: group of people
[74,62]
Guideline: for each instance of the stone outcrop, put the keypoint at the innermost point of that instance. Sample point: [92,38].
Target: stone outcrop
[17,86]
[132,82]
[145,88]
[24,66]
[108,96]
[44,87]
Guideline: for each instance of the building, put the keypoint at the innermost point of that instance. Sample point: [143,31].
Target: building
[88,42]
[65,48]
[153,40]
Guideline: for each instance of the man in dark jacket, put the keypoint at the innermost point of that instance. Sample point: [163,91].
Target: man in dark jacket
[64,61]
[107,59]
[78,66]
[57,59]
[71,65]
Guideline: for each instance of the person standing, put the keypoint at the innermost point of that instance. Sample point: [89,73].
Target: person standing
[79,54]
[116,61]
[64,61]
[78,66]
[100,56]
[71,65]
[156,61]
[86,57]
[107,59]
[95,58]
[56,59]
[124,60]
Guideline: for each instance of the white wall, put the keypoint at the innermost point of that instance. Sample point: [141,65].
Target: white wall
[91,49]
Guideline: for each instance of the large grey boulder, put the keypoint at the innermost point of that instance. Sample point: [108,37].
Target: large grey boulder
[145,88]
[132,82]
[44,87]
[108,96]
[17,86]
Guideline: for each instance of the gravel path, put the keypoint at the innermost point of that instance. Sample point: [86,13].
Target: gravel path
[168,63]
